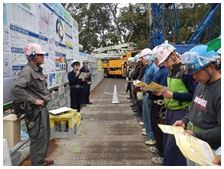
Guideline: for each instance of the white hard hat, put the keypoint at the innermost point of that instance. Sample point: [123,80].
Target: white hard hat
[155,49]
[163,51]
[74,61]
[33,49]
[145,52]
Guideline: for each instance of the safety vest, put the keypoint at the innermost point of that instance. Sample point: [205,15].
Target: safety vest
[176,85]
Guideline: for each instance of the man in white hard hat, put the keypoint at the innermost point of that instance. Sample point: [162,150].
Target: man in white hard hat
[157,109]
[30,88]
[151,69]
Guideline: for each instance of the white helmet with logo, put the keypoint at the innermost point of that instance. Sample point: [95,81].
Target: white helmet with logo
[163,51]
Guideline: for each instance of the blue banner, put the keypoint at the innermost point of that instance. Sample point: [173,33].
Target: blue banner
[26,32]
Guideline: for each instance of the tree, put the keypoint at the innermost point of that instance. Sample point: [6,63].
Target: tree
[95,24]
[104,24]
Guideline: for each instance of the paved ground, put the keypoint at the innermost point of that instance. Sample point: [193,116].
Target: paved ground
[109,133]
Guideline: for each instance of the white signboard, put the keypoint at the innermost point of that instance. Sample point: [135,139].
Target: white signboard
[48,24]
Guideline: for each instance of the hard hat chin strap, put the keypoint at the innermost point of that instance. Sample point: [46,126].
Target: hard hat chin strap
[210,75]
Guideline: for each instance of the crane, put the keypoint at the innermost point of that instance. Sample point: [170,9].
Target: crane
[158,35]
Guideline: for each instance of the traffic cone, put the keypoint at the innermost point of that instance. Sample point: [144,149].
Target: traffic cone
[115,98]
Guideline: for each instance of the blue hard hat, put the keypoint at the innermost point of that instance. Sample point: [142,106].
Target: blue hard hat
[197,58]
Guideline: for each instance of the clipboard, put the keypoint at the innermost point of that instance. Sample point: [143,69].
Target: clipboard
[83,75]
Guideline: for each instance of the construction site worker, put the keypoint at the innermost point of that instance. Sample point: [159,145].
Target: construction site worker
[142,70]
[128,79]
[177,100]
[134,75]
[31,88]
[76,86]
[157,112]
[139,65]
[130,69]
[137,95]
[204,118]
[151,69]
[87,82]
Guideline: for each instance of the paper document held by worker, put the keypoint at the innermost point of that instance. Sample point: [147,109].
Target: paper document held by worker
[153,86]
